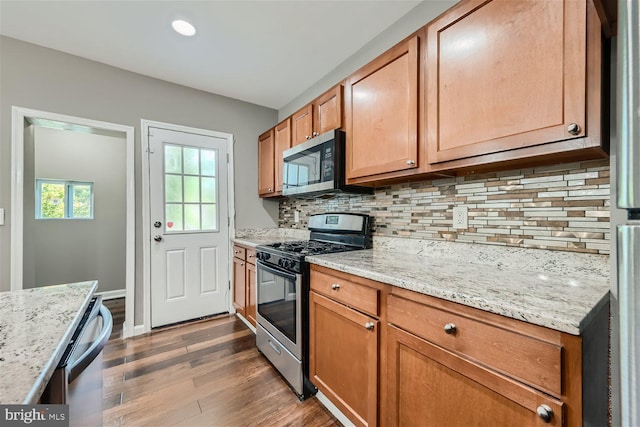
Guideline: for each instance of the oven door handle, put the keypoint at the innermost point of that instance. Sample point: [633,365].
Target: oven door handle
[276,270]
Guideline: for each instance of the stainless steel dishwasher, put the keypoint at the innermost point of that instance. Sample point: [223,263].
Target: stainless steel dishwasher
[77,381]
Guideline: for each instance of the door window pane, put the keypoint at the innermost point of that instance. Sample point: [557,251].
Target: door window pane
[173,188]
[192,217]
[209,217]
[208,162]
[172,159]
[173,217]
[191,189]
[191,161]
[208,190]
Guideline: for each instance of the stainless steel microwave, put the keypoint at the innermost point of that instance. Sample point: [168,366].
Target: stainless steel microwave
[317,166]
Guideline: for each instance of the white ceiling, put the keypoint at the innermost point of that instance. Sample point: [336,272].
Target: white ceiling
[264,52]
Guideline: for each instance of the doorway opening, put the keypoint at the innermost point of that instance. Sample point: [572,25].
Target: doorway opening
[73,204]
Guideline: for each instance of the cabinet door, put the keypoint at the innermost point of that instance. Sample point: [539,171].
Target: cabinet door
[430,386]
[302,125]
[250,281]
[327,111]
[282,143]
[239,291]
[266,166]
[343,358]
[381,106]
[505,75]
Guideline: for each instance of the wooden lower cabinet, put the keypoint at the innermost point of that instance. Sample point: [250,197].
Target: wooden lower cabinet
[430,386]
[244,282]
[251,293]
[343,360]
[430,362]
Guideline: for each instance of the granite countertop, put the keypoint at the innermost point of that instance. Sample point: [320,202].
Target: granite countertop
[559,295]
[35,327]
[265,236]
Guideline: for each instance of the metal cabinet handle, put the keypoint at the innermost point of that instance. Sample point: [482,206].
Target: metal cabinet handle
[450,328]
[308,137]
[236,252]
[242,263]
[574,129]
[411,162]
[335,286]
[269,189]
[545,413]
[316,134]
[157,238]
[251,255]
[369,326]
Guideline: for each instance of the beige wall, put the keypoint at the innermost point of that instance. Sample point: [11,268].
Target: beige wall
[44,79]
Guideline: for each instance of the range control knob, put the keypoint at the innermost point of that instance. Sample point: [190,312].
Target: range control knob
[263,256]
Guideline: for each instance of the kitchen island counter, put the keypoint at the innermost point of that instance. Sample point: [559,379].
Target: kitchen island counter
[36,326]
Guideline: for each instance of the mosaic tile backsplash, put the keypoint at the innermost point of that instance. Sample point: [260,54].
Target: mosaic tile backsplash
[563,207]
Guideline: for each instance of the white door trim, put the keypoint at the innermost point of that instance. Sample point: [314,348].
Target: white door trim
[146,208]
[19,115]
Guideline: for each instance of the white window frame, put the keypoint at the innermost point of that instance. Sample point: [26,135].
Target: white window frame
[68,197]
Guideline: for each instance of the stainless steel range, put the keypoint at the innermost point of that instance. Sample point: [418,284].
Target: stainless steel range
[283,291]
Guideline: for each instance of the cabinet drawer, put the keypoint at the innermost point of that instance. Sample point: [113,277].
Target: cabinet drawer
[240,252]
[358,296]
[250,255]
[523,357]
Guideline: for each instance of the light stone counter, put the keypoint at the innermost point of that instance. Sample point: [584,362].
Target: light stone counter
[35,327]
[265,236]
[558,290]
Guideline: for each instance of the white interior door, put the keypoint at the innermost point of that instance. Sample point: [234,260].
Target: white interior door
[189,226]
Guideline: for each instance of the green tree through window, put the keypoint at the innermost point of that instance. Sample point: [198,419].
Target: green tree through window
[58,199]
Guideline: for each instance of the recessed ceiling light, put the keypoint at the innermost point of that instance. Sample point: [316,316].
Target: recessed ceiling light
[183,27]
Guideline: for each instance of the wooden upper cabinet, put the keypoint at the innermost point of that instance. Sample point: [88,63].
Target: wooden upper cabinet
[382,113]
[327,110]
[282,143]
[508,75]
[266,166]
[302,125]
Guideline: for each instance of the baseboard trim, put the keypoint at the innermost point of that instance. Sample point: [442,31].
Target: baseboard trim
[334,410]
[246,322]
[107,295]
[139,330]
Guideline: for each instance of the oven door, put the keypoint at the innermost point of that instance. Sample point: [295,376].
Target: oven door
[279,305]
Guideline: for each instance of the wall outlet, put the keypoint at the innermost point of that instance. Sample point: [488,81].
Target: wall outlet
[460,217]
[296,216]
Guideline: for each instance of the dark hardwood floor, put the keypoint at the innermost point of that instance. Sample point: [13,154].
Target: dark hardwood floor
[207,373]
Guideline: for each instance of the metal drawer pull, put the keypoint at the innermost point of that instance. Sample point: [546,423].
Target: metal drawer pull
[335,286]
[450,328]
[369,326]
[242,263]
[250,255]
[411,162]
[574,129]
[545,413]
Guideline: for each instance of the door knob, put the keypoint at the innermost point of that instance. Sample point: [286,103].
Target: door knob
[157,224]
[157,238]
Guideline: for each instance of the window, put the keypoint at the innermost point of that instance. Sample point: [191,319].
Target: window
[58,199]
[190,189]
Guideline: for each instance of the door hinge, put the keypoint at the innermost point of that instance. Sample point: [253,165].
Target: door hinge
[227,157]
[228,221]
[229,284]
